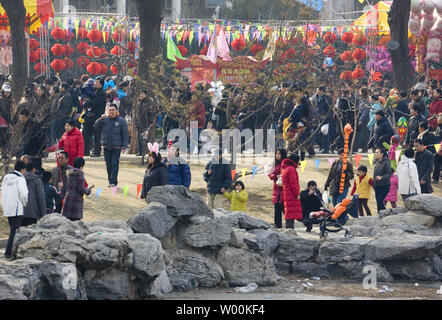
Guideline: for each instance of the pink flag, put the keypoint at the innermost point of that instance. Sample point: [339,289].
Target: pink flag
[222,48]
[397,155]
[114,191]
[211,51]
[330,161]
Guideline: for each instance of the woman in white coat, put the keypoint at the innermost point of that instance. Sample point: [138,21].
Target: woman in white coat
[408,178]
[14,199]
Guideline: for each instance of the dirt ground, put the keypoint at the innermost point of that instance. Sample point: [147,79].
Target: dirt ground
[122,207]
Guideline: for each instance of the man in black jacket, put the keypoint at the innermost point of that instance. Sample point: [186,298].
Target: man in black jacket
[413,125]
[383,130]
[63,110]
[95,108]
[218,176]
[424,164]
[310,202]
[115,139]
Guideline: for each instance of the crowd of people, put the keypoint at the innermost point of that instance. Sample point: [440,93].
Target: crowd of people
[83,117]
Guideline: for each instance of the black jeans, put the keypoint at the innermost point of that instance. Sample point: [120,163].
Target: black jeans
[279,211]
[14,224]
[363,202]
[28,221]
[112,158]
[89,132]
[290,224]
[362,138]
[381,193]
[437,165]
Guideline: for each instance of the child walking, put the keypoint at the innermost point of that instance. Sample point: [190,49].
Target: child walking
[52,195]
[392,194]
[362,186]
[238,197]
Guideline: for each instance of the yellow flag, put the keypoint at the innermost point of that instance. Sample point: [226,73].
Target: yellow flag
[303,165]
[84,196]
[361,1]
[370,158]
[243,172]
[437,146]
[192,33]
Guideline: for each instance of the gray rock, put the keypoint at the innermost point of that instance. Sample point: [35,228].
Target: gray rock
[265,241]
[410,222]
[157,288]
[148,261]
[309,269]
[283,267]
[391,211]
[179,201]
[188,264]
[154,220]
[242,267]
[292,248]
[354,270]
[109,284]
[363,226]
[430,204]
[249,223]
[108,226]
[183,281]
[337,251]
[228,218]
[412,270]
[205,232]
[238,237]
[395,244]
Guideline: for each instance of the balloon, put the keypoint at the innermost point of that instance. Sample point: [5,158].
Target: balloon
[385,66]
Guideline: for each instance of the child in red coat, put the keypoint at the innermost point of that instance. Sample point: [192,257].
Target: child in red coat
[292,191]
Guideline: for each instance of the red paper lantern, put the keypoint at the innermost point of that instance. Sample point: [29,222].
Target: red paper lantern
[117,36]
[329,51]
[93,52]
[131,46]
[345,75]
[68,63]
[40,67]
[357,73]
[238,44]
[256,48]
[68,50]
[103,53]
[58,33]
[82,47]
[83,62]
[330,37]
[114,69]
[34,56]
[116,51]
[42,52]
[359,39]
[346,56]
[203,51]
[359,54]
[94,68]
[347,37]
[58,65]
[58,49]
[183,50]
[69,35]
[82,33]
[95,35]
[33,44]
[104,68]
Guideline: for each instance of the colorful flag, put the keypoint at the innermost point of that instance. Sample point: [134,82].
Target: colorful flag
[437,147]
[358,158]
[255,168]
[397,155]
[243,173]
[125,190]
[370,158]
[317,162]
[270,49]
[330,161]
[114,190]
[139,187]
[303,165]
[233,174]
[98,192]
[172,50]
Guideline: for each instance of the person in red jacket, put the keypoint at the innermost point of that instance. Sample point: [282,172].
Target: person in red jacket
[292,191]
[72,142]
[278,196]
[435,107]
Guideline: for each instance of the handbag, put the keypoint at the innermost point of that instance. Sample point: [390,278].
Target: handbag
[279,182]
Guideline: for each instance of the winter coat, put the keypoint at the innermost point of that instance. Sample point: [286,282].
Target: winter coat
[238,200]
[221,176]
[114,132]
[383,132]
[408,177]
[198,113]
[413,129]
[73,143]
[290,182]
[64,106]
[36,207]
[310,203]
[156,177]
[423,108]
[424,163]
[64,177]
[179,172]
[383,169]
[14,194]
[364,115]
[435,109]
[374,107]
[34,139]
[401,110]
[392,194]
[363,187]
[52,197]
[278,194]
[73,201]
[145,114]
[429,140]
[334,177]
[96,106]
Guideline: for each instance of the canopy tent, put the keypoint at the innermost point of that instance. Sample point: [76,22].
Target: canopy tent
[37,11]
[376,18]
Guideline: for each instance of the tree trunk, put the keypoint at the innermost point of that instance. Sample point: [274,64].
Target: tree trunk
[15,9]
[398,21]
[150,14]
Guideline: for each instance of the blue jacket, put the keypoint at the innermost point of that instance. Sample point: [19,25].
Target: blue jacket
[221,176]
[52,196]
[374,107]
[179,172]
[114,132]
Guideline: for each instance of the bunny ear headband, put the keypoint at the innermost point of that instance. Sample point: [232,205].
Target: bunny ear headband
[153,148]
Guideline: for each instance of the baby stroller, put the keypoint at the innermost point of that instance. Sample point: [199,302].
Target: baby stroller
[334,220]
